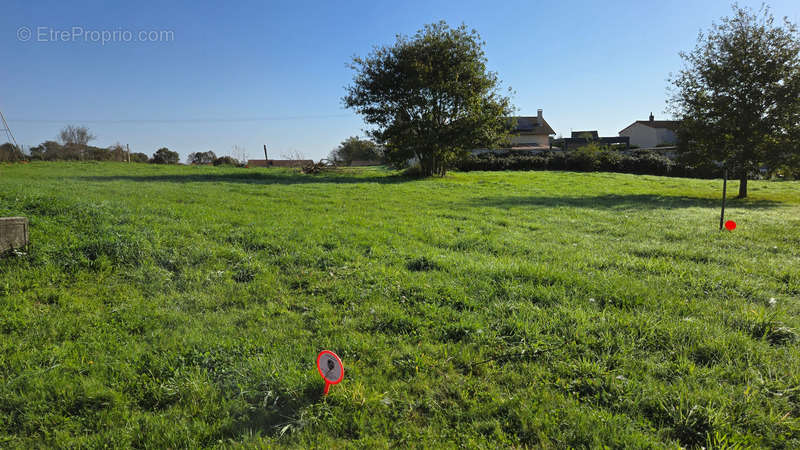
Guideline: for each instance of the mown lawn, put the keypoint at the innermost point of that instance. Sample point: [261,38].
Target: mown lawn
[185,306]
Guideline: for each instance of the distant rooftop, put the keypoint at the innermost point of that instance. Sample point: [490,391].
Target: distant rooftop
[664,124]
[669,124]
[532,125]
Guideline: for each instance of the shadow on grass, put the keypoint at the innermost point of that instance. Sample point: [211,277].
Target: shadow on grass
[254,177]
[279,417]
[612,201]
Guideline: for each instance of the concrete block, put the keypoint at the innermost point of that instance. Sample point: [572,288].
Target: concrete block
[13,233]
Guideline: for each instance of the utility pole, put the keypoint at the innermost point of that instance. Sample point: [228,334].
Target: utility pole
[8,131]
[266,158]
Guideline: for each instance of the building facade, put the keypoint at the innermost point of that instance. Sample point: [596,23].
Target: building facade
[531,131]
[651,133]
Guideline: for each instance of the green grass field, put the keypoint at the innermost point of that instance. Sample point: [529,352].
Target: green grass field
[185,306]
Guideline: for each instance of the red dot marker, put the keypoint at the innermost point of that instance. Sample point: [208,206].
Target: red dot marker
[730,225]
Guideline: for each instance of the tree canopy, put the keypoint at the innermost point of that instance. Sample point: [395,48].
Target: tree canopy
[430,98]
[202,157]
[738,95]
[76,140]
[53,151]
[165,156]
[76,135]
[139,157]
[356,149]
[11,153]
[226,161]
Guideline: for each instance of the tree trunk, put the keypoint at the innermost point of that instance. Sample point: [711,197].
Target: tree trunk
[426,166]
[743,185]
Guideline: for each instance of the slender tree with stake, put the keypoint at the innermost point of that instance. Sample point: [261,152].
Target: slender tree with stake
[738,95]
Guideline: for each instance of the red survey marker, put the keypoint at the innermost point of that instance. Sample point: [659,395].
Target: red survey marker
[330,368]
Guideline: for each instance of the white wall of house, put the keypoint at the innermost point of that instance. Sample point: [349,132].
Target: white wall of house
[641,135]
[539,140]
[644,136]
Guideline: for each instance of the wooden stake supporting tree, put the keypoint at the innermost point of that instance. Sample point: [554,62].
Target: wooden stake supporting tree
[724,196]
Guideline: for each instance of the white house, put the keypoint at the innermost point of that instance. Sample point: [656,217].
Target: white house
[531,132]
[651,133]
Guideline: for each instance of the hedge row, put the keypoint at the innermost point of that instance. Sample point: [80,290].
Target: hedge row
[639,162]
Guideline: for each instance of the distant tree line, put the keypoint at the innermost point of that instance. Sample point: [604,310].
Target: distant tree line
[68,151]
[73,145]
[57,151]
[209,157]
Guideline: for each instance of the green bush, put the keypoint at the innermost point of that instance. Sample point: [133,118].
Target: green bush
[165,156]
[587,159]
[11,153]
[414,171]
[139,157]
[609,161]
[227,161]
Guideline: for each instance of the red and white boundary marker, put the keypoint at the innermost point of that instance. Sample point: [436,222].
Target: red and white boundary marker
[330,368]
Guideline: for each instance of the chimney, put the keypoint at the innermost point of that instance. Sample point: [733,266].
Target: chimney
[539,117]
[651,117]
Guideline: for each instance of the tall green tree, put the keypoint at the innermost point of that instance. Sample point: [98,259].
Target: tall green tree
[430,97]
[738,95]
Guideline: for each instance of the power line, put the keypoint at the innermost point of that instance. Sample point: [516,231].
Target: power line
[196,120]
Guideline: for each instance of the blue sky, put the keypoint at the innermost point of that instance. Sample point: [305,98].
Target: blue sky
[253,73]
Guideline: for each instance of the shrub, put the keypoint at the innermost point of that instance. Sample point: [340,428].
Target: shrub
[649,163]
[609,161]
[586,159]
[139,157]
[11,153]
[201,158]
[165,156]
[227,161]
[415,171]
[558,161]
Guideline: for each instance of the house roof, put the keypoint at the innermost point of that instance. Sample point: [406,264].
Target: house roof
[591,133]
[530,125]
[668,124]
